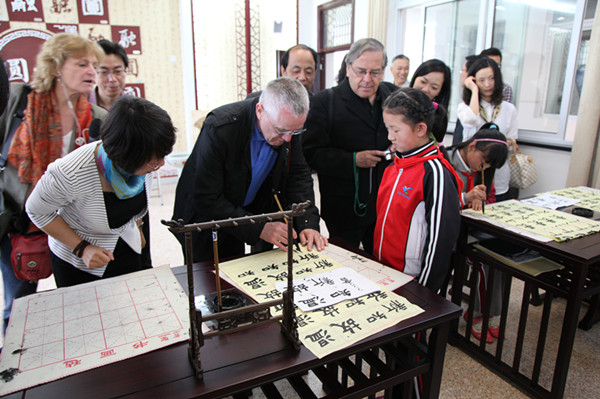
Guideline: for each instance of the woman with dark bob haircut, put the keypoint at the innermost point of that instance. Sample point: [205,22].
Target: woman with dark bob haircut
[91,202]
[433,77]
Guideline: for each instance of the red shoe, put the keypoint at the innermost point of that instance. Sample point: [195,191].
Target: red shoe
[476,331]
[494,326]
[476,319]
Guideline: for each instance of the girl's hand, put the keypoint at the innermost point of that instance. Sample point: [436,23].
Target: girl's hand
[95,257]
[476,205]
[477,194]
[471,85]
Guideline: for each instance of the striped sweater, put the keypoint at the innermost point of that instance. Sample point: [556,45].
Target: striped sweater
[71,188]
[418,216]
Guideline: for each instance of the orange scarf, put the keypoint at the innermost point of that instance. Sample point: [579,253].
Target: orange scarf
[39,140]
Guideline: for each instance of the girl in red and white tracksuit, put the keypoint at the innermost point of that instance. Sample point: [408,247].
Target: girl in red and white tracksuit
[418,206]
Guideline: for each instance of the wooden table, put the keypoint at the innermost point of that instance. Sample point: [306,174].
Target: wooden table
[234,364]
[579,280]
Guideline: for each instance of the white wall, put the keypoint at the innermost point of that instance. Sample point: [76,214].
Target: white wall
[552,167]
[307,22]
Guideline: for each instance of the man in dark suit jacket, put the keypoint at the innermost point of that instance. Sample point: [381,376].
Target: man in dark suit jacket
[345,143]
[246,152]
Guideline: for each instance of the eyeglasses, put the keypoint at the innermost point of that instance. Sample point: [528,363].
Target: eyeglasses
[116,73]
[280,133]
[362,72]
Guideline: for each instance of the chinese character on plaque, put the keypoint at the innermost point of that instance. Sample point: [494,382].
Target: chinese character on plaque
[25,10]
[92,11]
[60,6]
[134,89]
[19,49]
[63,28]
[128,37]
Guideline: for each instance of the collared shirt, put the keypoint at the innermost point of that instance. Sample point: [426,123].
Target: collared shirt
[94,96]
[507,93]
[263,158]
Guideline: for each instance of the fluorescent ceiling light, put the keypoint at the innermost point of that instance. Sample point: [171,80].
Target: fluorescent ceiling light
[553,5]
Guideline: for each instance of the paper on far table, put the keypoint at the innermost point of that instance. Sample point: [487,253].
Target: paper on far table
[550,201]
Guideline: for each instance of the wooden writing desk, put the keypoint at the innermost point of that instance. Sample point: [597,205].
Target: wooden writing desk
[236,363]
[580,279]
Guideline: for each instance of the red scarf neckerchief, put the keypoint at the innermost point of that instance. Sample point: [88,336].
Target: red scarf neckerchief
[403,163]
[39,140]
[470,178]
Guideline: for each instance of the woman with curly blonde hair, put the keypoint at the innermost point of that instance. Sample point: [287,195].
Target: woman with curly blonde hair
[58,113]
[56,121]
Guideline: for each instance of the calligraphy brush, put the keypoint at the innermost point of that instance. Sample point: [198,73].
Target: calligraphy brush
[483,183]
[285,219]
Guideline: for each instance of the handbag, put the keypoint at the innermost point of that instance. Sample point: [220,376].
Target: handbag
[523,172]
[31,256]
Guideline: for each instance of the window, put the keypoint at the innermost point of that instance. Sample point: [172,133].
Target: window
[336,25]
[544,46]
[535,39]
[449,33]
[336,34]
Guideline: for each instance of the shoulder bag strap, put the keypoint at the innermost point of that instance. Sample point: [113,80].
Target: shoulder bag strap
[16,122]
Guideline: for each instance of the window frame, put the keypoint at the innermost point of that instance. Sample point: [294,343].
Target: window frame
[485,34]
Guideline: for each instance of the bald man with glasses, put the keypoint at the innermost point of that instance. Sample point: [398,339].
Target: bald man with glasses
[247,158]
[345,143]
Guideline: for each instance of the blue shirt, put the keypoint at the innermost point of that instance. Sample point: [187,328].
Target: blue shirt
[263,158]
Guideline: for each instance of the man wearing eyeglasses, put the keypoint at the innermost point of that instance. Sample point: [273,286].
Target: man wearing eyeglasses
[345,143]
[112,72]
[248,158]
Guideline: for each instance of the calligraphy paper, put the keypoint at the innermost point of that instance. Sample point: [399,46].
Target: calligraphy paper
[57,333]
[329,328]
[328,288]
[551,224]
[382,275]
[550,201]
[588,197]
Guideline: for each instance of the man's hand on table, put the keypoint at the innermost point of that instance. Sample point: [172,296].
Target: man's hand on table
[311,237]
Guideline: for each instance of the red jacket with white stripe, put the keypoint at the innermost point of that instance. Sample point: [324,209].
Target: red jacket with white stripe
[418,215]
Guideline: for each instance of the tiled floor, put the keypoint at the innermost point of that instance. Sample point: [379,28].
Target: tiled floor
[463,377]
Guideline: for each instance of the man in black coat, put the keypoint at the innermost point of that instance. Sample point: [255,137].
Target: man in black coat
[345,143]
[247,153]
